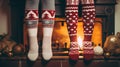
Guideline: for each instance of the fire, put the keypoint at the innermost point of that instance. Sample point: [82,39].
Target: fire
[80,43]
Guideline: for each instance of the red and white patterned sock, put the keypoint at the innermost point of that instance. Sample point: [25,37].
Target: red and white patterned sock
[88,15]
[48,17]
[31,18]
[71,14]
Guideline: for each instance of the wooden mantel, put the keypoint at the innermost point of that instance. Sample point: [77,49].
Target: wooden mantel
[59,61]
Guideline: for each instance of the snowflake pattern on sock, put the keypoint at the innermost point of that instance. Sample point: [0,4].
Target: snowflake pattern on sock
[74,51]
[88,50]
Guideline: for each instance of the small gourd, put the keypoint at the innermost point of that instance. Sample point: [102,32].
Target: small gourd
[98,50]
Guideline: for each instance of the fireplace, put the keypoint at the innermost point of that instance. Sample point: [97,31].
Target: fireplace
[104,22]
[60,37]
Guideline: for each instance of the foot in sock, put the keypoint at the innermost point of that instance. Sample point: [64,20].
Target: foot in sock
[88,52]
[46,48]
[33,47]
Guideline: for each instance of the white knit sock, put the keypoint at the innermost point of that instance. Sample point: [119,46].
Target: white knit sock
[31,18]
[33,47]
[46,46]
[48,17]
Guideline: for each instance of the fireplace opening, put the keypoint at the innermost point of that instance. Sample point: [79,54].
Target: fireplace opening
[60,33]
[60,37]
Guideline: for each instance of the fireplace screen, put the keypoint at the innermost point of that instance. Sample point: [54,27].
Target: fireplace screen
[60,38]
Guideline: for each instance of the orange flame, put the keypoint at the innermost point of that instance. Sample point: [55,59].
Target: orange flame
[80,43]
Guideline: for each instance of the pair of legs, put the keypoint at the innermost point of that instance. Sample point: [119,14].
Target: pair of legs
[48,15]
[32,18]
[88,17]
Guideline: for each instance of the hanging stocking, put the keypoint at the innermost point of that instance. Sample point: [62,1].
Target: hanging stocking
[31,18]
[48,16]
[88,14]
[71,20]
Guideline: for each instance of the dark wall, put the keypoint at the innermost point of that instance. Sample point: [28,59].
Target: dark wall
[17,17]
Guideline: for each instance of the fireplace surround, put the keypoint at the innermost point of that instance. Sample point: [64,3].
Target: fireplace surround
[104,9]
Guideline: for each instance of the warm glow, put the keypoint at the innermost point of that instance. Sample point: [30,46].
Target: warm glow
[60,33]
[80,42]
